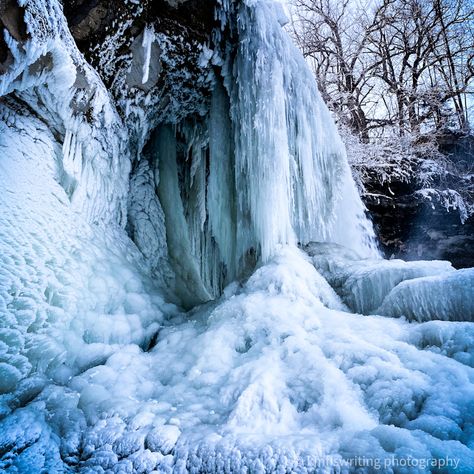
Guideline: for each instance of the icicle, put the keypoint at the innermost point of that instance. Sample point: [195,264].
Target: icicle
[148,38]
[221,185]
[190,287]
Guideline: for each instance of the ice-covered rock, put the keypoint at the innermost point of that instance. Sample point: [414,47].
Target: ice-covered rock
[163,438]
[70,292]
[421,291]
[447,297]
[364,283]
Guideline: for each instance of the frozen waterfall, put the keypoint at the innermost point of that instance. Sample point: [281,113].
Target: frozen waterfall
[265,168]
[188,281]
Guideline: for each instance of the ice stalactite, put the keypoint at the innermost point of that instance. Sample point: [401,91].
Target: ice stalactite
[221,190]
[189,287]
[148,37]
[195,182]
[146,223]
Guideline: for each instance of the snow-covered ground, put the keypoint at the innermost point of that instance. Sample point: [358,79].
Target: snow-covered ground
[99,372]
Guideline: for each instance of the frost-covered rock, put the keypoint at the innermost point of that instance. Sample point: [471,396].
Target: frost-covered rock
[420,195]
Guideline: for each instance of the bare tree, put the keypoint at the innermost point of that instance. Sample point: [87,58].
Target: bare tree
[406,65]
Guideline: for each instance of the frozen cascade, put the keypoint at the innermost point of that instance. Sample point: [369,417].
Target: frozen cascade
[291,170]
[99,374]
[277,171]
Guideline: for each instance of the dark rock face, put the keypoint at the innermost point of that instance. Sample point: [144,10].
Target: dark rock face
[88,17]
[414,230]
[11,19]
[412,227]
[110,35]
[90,21]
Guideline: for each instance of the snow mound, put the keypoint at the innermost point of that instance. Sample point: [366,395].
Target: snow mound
[452,339]
[266,379]
[269,379]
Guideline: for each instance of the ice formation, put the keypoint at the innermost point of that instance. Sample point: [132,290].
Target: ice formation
[363,283]
[148,37]
[115,218]
[424,299]
[259,189]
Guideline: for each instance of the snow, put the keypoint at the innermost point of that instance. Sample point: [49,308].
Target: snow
[271,378]
[450,199]
[271,371]
[71,294]
[63,281]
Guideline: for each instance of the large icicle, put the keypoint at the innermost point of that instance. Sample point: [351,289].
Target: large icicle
[148,37]
[190,287]
[221,184]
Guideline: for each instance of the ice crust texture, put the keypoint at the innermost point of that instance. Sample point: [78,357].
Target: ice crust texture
[100,373]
